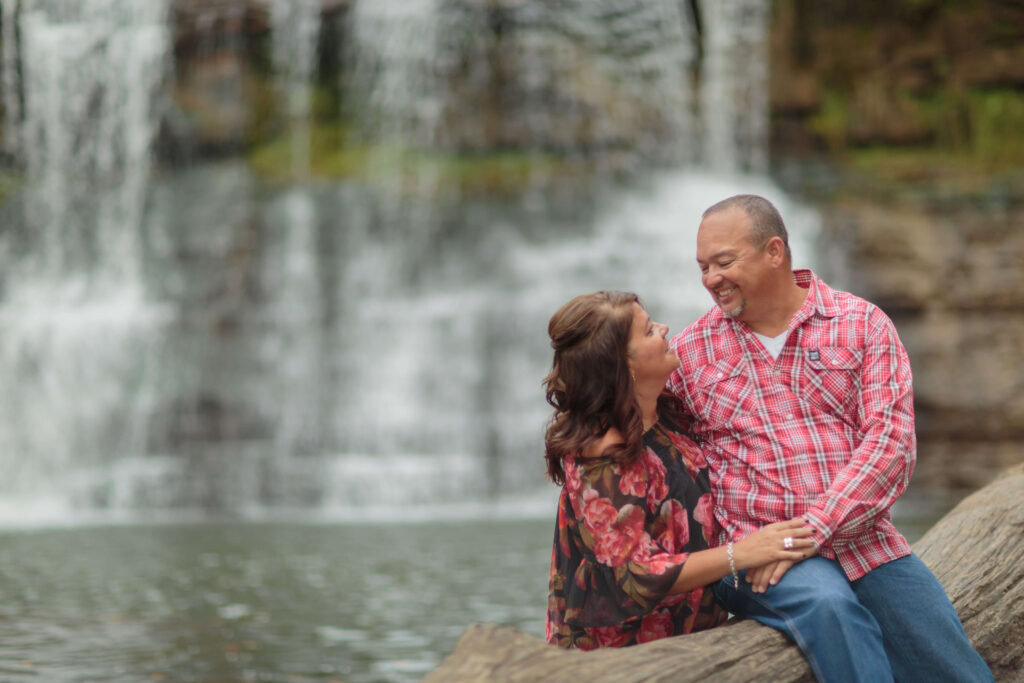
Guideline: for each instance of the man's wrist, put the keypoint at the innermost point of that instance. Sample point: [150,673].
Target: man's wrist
[821,525]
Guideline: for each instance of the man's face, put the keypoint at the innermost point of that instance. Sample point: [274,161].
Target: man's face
[732,268]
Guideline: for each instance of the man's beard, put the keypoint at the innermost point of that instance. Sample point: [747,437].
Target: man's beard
[736,312]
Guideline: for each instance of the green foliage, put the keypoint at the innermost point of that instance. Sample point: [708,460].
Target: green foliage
[832,121]
[10,182]
[997,125]
[335,154]
[977,135]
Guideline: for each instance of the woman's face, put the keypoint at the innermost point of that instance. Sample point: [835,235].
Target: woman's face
[649,355]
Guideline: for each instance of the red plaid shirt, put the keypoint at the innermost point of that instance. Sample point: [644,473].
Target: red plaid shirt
[825,432]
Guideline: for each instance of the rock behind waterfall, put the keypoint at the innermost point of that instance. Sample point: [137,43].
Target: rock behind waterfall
[976,551]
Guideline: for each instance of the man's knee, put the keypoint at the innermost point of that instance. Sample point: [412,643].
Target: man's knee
[825,598]
[835,606]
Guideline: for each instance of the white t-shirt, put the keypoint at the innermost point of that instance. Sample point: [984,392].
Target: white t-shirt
[773,344]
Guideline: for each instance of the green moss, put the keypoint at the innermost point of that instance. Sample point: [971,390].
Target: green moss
[10,182]
[832,121]
[997,125]
[976,141]
[335,155]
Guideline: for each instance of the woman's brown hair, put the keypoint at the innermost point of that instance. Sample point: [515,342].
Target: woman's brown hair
[589,385]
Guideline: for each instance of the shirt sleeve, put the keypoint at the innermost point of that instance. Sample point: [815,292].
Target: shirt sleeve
[883,459]
[677,384]
[626,572]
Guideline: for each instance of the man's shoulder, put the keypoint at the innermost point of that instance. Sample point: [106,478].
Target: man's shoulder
[701,329]
[702,340]
[849,305]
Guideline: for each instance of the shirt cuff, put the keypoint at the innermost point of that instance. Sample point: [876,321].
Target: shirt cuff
[822,526]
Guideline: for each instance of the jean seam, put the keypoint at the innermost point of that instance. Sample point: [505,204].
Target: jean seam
[812,662]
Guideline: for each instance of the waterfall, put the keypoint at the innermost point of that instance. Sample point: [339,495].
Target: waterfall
[193,337]
[295,24]
[734,84]
[77,332]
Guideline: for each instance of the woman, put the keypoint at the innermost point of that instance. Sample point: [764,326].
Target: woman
[631,561]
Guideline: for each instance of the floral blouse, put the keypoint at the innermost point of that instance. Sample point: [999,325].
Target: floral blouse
[623,535]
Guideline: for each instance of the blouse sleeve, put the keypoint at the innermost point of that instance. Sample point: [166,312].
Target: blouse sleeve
[630,532]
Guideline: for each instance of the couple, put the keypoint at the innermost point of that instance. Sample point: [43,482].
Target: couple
[748,468]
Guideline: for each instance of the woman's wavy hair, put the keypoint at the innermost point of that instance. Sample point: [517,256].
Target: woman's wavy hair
[589,385]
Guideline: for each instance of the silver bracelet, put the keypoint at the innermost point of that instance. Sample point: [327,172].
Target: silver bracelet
[732,566]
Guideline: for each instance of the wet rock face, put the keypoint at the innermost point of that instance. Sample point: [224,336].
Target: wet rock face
[916,111]
[952,279]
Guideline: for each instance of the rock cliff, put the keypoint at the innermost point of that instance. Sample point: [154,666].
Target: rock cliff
[904,123]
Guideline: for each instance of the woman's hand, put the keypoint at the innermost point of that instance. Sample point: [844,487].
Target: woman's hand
[769,545]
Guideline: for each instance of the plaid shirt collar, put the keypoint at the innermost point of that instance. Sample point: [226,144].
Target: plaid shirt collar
[820,301]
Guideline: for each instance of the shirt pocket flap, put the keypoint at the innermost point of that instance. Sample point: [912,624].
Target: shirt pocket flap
[719,371]
[833,358]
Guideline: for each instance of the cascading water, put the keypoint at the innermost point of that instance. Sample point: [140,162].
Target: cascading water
[78,335]
[196,339]
[733,84]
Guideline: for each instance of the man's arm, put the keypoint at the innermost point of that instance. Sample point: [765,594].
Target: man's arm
[881,464]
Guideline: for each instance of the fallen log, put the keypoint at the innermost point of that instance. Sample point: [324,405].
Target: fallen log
[976,551]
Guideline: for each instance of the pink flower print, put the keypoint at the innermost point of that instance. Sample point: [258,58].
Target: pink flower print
[695,597]
[657,489]
[675,523]
[692,454]
[572,474]
[673,599]
[644,548]
[680,524]
[657,624]
[616,544]
[705,516]
[609,636]
[633,481]
[598,513]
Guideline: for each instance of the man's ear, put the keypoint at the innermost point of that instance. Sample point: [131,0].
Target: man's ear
[776,251]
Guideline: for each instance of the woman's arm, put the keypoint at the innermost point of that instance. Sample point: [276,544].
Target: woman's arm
[757,549]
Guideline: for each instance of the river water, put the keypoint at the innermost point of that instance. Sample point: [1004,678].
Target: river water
[261,602]
[297,601]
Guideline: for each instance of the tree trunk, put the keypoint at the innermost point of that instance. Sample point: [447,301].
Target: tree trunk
[976,551]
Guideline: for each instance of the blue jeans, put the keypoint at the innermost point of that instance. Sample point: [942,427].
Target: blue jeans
[894,623]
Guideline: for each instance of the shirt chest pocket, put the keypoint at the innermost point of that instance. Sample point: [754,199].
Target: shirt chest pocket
[831,378]
[725,392]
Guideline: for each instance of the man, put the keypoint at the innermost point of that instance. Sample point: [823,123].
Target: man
[802,396]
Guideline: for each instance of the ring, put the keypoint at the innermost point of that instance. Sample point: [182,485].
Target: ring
[787,542]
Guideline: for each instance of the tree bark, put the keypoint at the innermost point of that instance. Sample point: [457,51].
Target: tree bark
[976,551]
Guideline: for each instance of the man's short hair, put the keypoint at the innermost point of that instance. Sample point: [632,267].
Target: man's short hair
[765,220]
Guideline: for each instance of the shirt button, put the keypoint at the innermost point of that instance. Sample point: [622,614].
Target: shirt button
[789,416]
[720,375]
[835,361]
